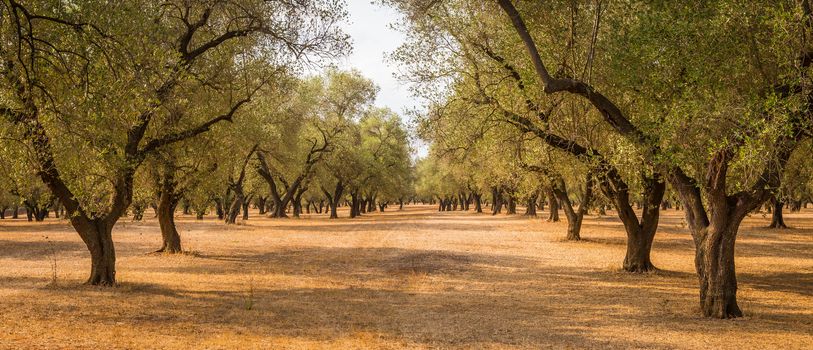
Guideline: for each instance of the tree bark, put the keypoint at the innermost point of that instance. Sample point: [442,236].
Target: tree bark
[261,204]
[777,219]
[714,261]
[795,206]
[221,214]
[245,206]
[334,198]
[355,204]
[98,237]
[362,206]
[297,201]
[167,203]
[640,234]
[496,200]
[234,209]
[169,233]
[279,208]
[553,206]
[511,205]
[575,217]
[236,187]
[530,210]
[715,230]
[371,204]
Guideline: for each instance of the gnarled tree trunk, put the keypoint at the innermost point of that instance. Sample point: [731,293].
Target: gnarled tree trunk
[777,219]
[714,261]
[640,233]
[221,214]
[530,209]
[261,204]
[511,206]
[245,206]
[297,201]
[334,198]
[371,204]
[715,230]
[236,187]
[234,209]
[167,202]
[98,237]
[574,216]
[355,204]
[553,206]
[496,201]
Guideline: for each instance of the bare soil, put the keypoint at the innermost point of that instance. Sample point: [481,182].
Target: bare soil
[403,279]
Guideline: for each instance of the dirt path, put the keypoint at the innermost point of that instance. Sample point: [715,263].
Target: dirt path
[403,279]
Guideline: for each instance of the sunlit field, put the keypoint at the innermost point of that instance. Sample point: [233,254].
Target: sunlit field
[415,278]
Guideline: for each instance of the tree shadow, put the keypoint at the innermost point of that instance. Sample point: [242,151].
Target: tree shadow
[38,250]
[788,282]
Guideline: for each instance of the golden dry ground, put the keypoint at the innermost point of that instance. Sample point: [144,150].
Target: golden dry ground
[410,279]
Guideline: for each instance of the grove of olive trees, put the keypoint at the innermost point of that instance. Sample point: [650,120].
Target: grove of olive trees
[721,134]
[207,143]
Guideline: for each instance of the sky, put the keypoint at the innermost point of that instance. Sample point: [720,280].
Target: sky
[369,27]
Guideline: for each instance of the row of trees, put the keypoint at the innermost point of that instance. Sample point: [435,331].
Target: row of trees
[111,108]
[613,101]
[310,148]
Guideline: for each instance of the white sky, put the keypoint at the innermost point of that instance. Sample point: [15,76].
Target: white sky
[369,27]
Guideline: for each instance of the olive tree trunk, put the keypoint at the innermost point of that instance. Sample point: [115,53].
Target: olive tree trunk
[334,198]
[530,209]
[496,201]
[553,206]
[640,233]
[575,217]
[167,203]
[777,219]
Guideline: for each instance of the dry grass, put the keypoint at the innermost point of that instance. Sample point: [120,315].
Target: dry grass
[411,279]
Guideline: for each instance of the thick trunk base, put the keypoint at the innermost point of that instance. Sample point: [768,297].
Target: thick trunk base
[638,266]
[166,221]
[103,273]
[720,304]
[714,260]
[637,259]
[99,240]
